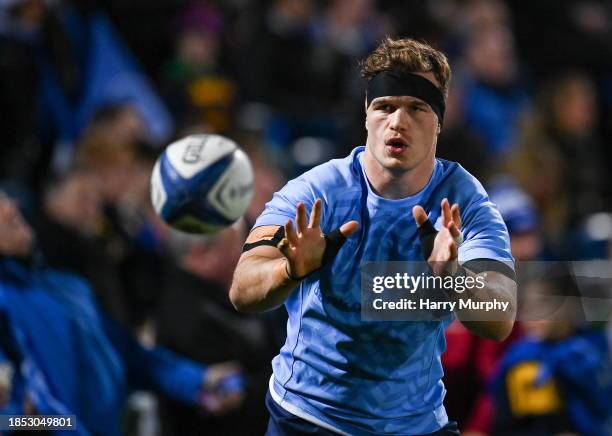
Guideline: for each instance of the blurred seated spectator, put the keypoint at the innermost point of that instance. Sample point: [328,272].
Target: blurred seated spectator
[98,221]
[196,319]
[70,235]
[494,95]
[114,124]
[193,82]
[108,148]
[521,217]
[560,161]
[68,357]
[557,379]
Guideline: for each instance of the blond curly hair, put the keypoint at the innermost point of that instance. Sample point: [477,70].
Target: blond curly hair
[414,56]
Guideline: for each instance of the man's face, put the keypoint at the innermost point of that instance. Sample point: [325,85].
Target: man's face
[402,131]
[16,236]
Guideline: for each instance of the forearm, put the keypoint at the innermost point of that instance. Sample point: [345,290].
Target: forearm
[496,322]
[155,368]
[260,284]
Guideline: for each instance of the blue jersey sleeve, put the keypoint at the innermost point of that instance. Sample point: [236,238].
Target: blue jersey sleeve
[284,202]
[484,231]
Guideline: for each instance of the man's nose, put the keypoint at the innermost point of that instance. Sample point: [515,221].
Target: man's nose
[399,120]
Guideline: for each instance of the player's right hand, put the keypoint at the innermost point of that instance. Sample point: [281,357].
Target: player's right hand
[303,247]
[443,259]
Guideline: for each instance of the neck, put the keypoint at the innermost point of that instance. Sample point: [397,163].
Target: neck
[397,184]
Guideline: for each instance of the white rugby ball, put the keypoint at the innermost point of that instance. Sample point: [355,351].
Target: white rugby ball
[202,183]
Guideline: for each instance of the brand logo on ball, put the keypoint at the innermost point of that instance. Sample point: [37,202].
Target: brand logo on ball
[240,190]
[193,152]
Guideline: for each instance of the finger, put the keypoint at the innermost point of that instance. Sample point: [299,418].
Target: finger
[456,215]
[419,214]
[446,212]
[315,214]
[454,231]
[300,218]
[349,228]
[290,233]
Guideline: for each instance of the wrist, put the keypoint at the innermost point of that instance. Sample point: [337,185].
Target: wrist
[289,275]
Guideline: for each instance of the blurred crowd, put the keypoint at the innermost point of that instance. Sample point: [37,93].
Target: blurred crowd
[91,91]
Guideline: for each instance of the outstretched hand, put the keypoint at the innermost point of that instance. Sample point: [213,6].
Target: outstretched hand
[443,258]
[304,246]
[222,388]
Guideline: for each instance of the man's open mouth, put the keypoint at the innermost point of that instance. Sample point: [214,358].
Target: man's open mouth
[396,145]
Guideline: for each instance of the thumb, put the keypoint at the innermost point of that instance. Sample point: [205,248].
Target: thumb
[349,228]
[284,247]
[419,214]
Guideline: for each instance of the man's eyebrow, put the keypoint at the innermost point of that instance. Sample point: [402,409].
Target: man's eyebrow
[400,100]
[419,102]
[378,100]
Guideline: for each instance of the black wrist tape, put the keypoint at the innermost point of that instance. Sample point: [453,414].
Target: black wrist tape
[278,236]
[292,277]
[427,235]
[333,243]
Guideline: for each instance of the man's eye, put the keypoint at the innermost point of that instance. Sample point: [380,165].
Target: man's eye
[418,109]
[385,108]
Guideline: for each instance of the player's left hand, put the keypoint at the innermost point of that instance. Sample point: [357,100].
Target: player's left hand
[443,259]
[222,388]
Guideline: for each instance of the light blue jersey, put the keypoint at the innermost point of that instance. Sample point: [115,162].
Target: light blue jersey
[364,377]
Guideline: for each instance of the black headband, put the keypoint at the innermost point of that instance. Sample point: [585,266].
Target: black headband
[399,83]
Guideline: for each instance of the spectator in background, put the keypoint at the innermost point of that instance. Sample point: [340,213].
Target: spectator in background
[494,96]
[70,235]
[560,162]
[108,146]
[521,217]
[98,219]
[70,358]
[196,319]
[557,379]
[194,83]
